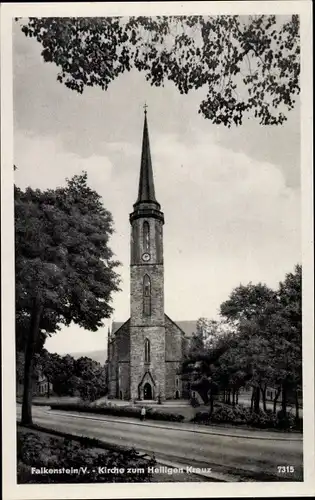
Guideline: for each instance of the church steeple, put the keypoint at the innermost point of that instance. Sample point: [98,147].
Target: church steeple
[146,192]
[147,318]
[146,204]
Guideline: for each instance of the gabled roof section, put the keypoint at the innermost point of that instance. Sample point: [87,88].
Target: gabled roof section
[187,327]
[117,325]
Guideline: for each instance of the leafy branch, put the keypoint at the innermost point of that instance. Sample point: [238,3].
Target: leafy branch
[211,52]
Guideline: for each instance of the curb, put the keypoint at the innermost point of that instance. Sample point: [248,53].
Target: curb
[197,431]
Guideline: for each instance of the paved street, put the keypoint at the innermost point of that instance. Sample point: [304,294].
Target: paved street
[224,453]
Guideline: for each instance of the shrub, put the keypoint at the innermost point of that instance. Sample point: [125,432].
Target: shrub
[241,415]
[163,415]
[285,421]
[58,453]
[262,420]
[201,417]
[119,411]
[29,447]
[230,414]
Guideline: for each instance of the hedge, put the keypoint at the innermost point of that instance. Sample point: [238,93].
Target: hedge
[118,411]
[52,400]
[240,415]
[40,451]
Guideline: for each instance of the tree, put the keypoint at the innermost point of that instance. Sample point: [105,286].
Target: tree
[48,326]
[93,378]
[262,348]
[280,332]
[247,309]
[64,266]
[290,317]
[83,377]
[246,302]
[200,366]
[197,342]
[47,367]
[248,65]
[269,327]
[57,369]
[19,365]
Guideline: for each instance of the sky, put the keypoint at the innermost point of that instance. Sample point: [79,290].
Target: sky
[231,197]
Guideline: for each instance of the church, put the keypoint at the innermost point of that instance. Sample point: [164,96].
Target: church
[145,353]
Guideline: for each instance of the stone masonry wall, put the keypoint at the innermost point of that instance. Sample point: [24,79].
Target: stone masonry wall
[155,273]
[112,370]
[138,366]
[173,341]
[171,377]
[124,380]
[156,241]
[119,349]
[173,357]
[147,326]
[122,339]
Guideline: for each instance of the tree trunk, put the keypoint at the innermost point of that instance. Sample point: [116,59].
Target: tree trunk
[257,400]
[297,414]
[237,397]
[252,399]
[29,362]
[233,397]
[223,396]
[229,397]
[263,394]
[48,388]
[284,400]
[276,400]
[211,404]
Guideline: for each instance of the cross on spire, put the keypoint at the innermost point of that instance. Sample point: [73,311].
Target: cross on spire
[145,108]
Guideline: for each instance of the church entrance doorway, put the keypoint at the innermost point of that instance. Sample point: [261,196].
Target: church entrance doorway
[147,391]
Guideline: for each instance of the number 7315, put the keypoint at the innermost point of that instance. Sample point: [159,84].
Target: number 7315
[282,469]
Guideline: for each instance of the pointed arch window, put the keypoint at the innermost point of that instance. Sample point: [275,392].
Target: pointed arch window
[146,236]
[147,353]
[146,295]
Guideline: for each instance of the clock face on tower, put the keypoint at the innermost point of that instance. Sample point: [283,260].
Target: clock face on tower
[146,257]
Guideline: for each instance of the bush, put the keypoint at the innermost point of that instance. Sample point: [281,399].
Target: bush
[241,415]
[119,411]
[57,453]
[237,415]
[263,420]
[285,421]
[163,415]
[201,417]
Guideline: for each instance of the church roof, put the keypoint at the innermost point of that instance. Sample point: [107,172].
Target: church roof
[146,184]
[188,327]
[117,325]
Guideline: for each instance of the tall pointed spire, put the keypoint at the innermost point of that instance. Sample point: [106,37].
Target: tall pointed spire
[146,184]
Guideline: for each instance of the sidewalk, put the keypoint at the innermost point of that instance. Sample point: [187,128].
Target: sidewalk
[200,429]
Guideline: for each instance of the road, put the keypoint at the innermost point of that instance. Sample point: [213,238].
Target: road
[254,458]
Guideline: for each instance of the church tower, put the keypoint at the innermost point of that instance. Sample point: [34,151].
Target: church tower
[147,319]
